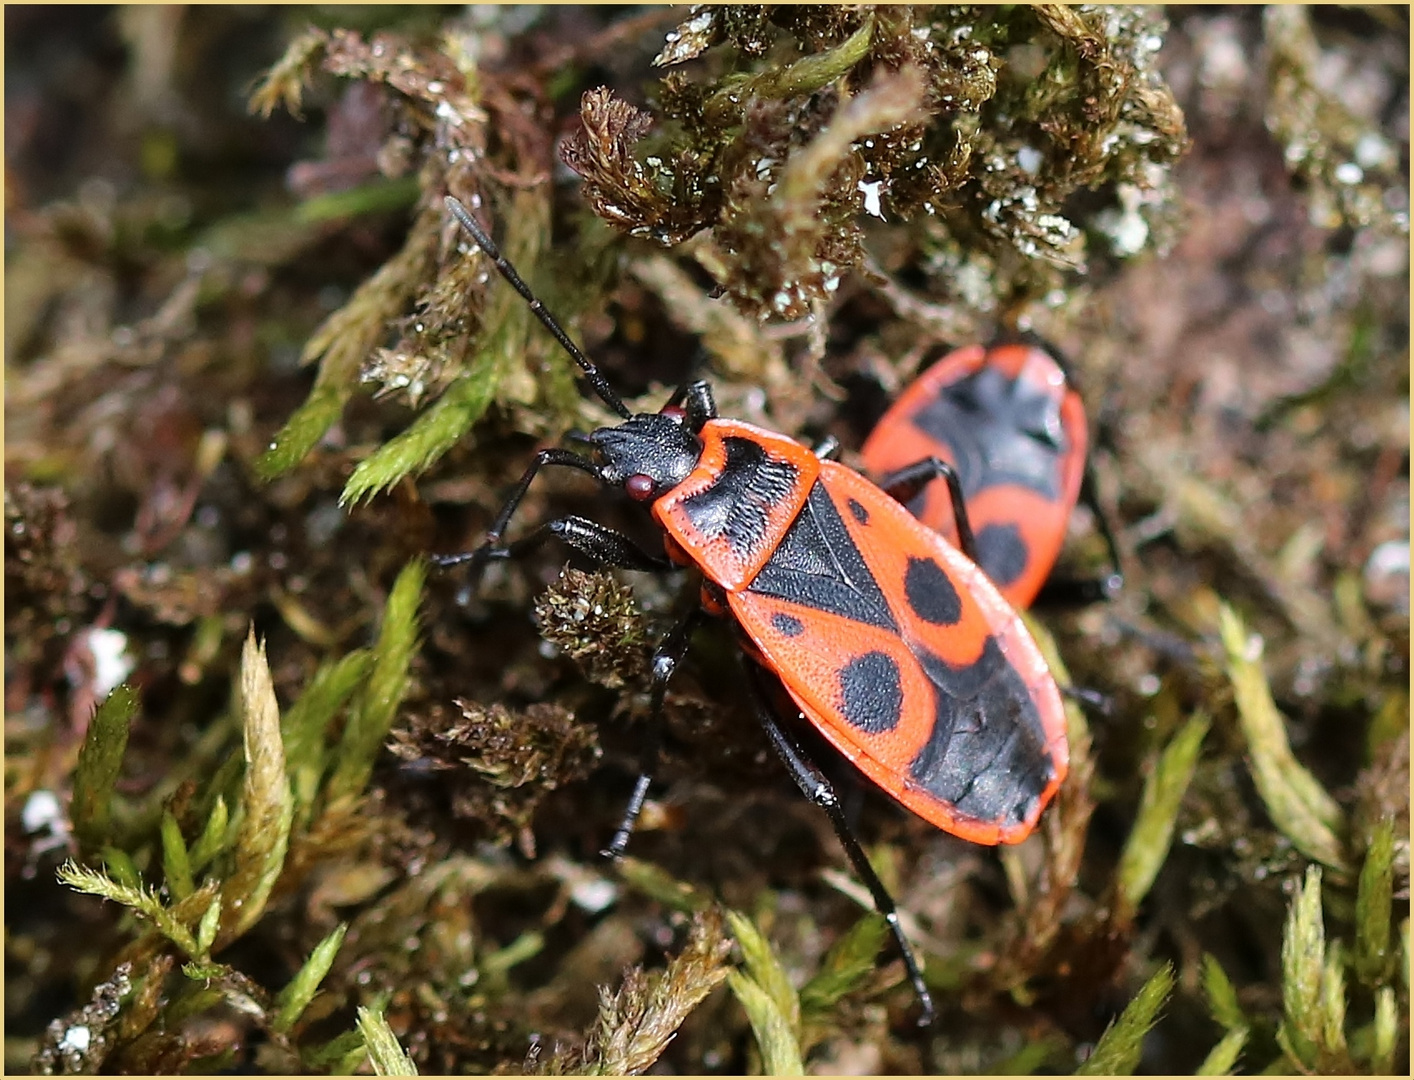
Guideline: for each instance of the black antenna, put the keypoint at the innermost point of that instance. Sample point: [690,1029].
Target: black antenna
[592,373]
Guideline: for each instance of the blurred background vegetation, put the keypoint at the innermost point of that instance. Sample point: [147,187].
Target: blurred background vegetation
[253,376]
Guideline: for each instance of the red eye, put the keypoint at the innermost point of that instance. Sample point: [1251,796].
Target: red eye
[674,412]
[639,487]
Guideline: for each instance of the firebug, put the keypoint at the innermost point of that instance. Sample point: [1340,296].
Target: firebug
[887,640]
[1009,420]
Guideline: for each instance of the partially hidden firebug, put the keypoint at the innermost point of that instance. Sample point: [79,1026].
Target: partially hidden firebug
[889,640]
[1008,419]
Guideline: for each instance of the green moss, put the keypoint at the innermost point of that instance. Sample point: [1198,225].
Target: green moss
[377,706]
[1298,804]
[100,758]
[1117,1052]
[384,1053]
[1148,845]
[398,868]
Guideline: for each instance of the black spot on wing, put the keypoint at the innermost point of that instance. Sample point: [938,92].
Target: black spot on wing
[738,506]
[1002,553]
[871,692]
[788,625]
[817,564]
[860,511]
[931,593]
[1000,431]
[986,754]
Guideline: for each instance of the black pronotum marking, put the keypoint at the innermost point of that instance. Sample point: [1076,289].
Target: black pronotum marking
[1002,552]
[931,593]
[788,625]
[1000,430]
[738,506]
[871,692]
[986,754]
[860,511]
[817,564]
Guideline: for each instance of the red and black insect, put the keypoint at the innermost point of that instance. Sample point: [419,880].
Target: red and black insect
[889,640]
[1010,421]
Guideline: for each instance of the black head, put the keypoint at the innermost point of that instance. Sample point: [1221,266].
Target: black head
[647,454]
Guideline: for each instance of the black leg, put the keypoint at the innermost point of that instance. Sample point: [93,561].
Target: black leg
[1076,592]
[817,788]
[828,449]
[600,543]
[1098,702]
[851,793]
[696,399]
[1088,496]
[903,484]
[666,658]
[1065,592]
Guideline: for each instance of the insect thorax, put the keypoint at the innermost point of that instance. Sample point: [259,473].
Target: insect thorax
[731,511]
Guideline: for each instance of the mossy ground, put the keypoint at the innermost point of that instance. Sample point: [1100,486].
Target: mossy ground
[382,830]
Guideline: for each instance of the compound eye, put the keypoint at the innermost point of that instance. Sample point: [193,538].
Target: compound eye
[640,487]
[674,412]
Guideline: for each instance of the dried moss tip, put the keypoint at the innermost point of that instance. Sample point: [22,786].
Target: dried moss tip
[513,758]
[284,84]
[636,1023]
[344,341]
[789,249]
[499,352]
[594,619]
[266,809]
[894,112]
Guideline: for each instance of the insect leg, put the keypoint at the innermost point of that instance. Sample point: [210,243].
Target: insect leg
[903,484]
[1075,592]
[696,399]
[817,788]
[599,542]
[1096,700]
[827,449]
[1088,496]
[666,658]
[602,544]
